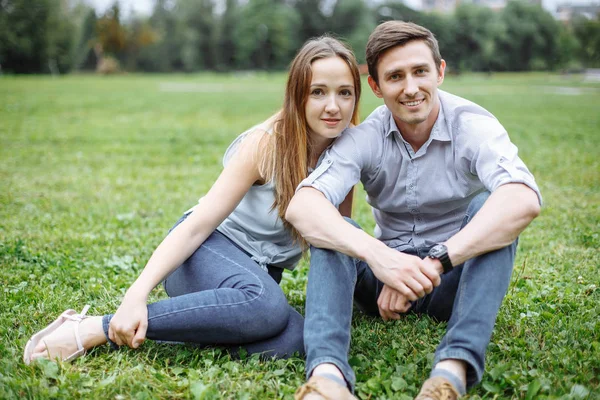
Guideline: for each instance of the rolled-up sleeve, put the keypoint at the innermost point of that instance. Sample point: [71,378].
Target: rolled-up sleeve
[341,167]
[496,162]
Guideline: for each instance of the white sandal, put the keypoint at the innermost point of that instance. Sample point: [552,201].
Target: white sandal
[69,315]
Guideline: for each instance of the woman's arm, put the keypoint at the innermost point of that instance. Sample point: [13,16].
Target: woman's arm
[234,182]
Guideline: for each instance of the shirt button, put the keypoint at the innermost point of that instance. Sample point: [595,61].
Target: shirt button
[414,211]
[412,185]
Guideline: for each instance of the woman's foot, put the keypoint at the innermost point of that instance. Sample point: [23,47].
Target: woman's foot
[68,340]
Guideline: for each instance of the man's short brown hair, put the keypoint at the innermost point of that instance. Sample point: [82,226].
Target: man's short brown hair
[397,33]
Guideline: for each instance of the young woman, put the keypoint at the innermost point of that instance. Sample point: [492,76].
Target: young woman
[223,260]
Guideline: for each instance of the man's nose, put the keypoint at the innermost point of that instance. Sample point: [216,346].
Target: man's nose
[411,87]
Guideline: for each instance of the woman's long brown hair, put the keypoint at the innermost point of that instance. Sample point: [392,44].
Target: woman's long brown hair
[292,145]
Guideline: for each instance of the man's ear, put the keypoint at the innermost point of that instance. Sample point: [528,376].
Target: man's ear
[374,86]
[441,72]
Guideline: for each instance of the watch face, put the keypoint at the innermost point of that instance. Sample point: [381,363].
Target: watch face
[437,250]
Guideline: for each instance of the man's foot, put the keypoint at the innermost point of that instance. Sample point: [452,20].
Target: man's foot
[320,388]
[438,388]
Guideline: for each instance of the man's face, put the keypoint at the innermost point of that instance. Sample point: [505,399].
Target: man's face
[408,82]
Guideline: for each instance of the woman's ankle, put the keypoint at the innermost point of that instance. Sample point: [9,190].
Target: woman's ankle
[91,332]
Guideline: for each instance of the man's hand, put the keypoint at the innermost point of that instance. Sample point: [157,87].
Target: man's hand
[129,324]
[391,303]
[410,276]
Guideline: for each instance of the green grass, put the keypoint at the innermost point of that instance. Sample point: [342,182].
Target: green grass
[94,170]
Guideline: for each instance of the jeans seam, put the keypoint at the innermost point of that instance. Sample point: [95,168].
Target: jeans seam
[262,289]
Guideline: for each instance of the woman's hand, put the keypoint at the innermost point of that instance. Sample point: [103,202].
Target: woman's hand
[129,324]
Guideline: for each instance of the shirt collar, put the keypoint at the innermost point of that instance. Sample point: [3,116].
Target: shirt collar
[438,132]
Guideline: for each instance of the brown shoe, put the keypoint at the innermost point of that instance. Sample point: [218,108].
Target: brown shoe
[320,388]
[437,388]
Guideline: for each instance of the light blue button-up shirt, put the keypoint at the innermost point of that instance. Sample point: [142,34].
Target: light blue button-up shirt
[419,199]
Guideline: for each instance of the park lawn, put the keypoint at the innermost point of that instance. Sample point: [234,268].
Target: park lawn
[94,171]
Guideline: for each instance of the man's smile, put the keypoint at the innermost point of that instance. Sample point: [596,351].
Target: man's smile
[412,103]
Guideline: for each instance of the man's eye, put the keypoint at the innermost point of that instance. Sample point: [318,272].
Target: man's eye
[394,77]
[421,71]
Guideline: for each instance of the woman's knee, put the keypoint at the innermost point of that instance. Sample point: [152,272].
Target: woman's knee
[293,334]
[276,311]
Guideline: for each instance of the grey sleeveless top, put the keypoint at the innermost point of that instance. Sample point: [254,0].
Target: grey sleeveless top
[256,228]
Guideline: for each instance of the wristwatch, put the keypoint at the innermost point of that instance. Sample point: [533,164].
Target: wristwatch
[440,252]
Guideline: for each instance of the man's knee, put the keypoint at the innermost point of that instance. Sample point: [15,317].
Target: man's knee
[476,203]
[352,222]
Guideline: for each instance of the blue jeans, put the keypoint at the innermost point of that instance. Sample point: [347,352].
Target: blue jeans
[468,297]
[220,296]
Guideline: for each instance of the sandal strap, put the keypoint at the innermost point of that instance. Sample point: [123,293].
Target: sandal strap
[78,318]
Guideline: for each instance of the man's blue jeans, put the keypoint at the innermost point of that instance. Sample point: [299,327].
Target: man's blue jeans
[468,297]
[220,296]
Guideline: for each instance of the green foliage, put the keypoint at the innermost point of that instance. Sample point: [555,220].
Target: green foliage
[530,39]
[33,36]
[266,35]
[226,44]
[352,19]
[476,30]
[587,33]
[96,169]
[190,36]
[313,22]
[199,34]
[84,57]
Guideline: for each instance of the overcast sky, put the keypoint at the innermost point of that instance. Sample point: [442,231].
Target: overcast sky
[144,7]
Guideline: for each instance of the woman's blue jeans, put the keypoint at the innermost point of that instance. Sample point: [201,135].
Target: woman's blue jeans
[468,297]
[220,296]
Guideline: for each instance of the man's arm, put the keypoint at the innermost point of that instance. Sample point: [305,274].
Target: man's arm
[320,223]
[504,215]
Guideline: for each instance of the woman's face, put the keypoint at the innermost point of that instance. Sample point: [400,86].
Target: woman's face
[331,98]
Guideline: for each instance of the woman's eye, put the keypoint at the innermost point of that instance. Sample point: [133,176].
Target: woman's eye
[317,92]
[346,92]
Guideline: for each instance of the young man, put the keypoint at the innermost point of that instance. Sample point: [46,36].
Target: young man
[429,161]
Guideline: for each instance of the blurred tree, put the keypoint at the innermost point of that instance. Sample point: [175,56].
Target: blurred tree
[568,50]
[442,26]
[474,37]
[112,36]
[165,54]
[530,41]
[139,36]
[267,35]
[187,35]
[392,10]
[23,44]
[313,22]
[226,45]
[84,57]
[353,21]
[587,33]
[198,34]
[59,37]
